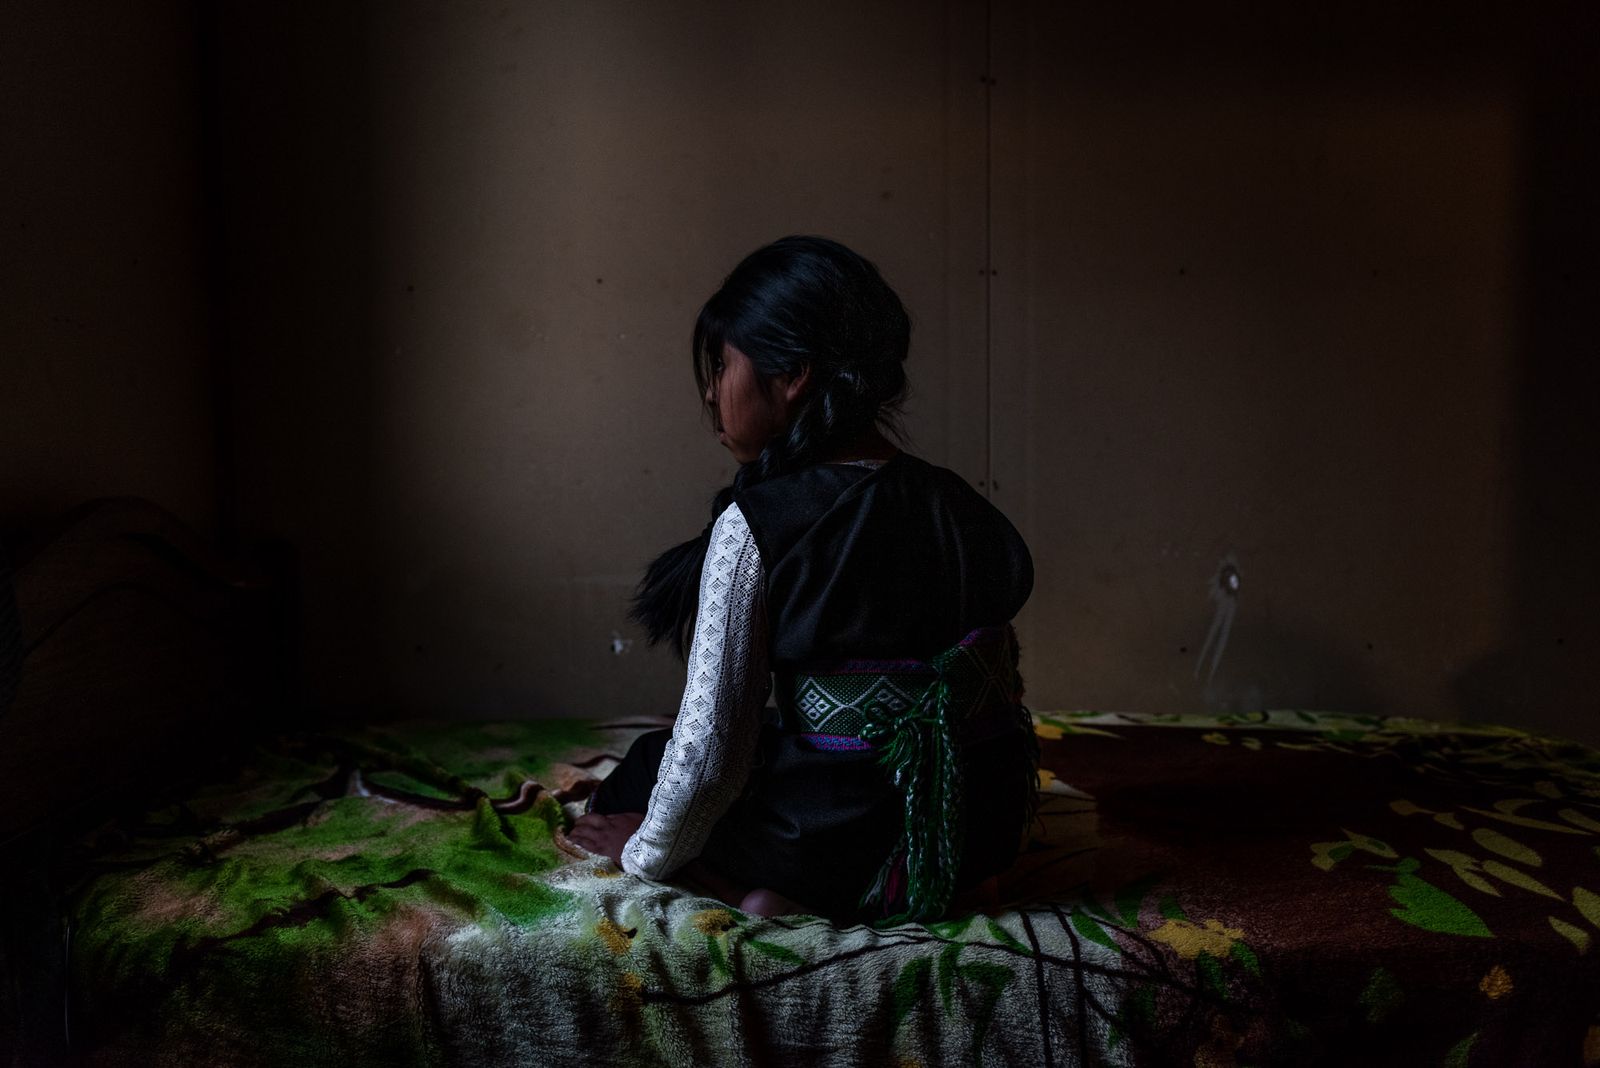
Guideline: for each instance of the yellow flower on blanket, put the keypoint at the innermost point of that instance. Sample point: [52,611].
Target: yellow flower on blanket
[628,998]
[1191,939]
[1052,730]
[713,922]
[617,939]
[1496,984]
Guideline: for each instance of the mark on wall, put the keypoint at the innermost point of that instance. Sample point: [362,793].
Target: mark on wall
[1225,595]
[619,644]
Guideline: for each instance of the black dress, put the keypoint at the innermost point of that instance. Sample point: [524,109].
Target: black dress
[895,563]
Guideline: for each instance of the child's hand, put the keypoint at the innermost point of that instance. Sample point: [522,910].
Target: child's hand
[605,835]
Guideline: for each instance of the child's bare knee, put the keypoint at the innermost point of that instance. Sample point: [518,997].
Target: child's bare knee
[764,902]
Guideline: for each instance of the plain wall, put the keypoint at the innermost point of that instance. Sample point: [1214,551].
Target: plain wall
[1256,308]
[106,377]
[1293,296]
[466,245]
[1310,294]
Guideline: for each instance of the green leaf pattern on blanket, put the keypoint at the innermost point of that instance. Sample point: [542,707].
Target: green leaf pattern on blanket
[1005,938]
[1460,1052]
[1382,995]
[249,885]
[977,960]
[1426,905]
[910,988]
[1090,928]
[986,979]
[366,879]
[775,951]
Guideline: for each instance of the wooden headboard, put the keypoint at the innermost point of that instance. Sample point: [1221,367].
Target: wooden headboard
[144,653]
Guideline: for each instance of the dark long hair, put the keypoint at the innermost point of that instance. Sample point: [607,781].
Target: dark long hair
[800,302]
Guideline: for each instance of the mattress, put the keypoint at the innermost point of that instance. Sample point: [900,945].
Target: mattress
[1280,887]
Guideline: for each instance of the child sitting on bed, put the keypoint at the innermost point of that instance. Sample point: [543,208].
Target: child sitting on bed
[867,590]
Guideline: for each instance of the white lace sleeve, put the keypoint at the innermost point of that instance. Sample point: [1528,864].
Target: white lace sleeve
[708,760]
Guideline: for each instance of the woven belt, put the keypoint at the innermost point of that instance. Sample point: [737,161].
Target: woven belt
[832,706]
[917,714]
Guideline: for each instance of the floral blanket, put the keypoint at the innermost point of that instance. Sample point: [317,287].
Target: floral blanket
[1285,887]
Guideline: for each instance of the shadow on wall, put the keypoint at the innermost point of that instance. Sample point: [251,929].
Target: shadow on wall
[287,121]
[1545,677]
[1286,668]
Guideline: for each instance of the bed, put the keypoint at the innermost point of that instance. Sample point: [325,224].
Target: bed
[1281,887]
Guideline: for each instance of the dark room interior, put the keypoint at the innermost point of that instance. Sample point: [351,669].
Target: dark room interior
[348,392]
